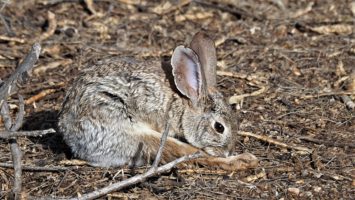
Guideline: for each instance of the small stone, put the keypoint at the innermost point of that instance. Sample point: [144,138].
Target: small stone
[295,191]
[317,189]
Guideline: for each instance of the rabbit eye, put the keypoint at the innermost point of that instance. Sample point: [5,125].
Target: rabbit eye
[218,127]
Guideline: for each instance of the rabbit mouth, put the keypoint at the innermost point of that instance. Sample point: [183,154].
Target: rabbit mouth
[218,152]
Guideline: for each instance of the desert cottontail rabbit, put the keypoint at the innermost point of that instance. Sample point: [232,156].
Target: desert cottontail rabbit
[118,105]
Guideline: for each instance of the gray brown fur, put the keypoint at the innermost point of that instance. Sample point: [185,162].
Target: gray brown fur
[116,104]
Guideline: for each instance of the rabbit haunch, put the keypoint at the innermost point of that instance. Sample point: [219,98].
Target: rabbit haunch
[118,105]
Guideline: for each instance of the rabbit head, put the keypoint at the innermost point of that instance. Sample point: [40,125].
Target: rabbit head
[206,122]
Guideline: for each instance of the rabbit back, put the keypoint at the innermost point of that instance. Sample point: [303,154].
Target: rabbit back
[112,106]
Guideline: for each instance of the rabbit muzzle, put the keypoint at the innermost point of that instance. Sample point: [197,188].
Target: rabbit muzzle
[218,151]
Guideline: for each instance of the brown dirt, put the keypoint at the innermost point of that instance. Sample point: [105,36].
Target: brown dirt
[279,46]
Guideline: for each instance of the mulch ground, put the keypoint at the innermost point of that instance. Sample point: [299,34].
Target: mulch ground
[294,60]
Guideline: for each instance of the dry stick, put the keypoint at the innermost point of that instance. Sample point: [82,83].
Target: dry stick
[232,74]
[5,90]
[23,68]
[9,134]
[15,149]
[16,159]
[20,115]
[275,142]
[138,178]
[327,94]
[237,98]
[39,96]
[161,147]
[35,168]
[52,25]
[12,39]
[4,112]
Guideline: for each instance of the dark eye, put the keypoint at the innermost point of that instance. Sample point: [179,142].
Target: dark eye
[218,127]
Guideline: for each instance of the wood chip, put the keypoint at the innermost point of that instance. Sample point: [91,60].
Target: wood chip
[340,29]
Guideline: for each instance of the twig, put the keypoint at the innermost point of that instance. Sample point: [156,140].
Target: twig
[332,144]
[12,39]
[232,74]
[52,25]
[138,178]
[14,147]
[5,90]
[16,159]
[275,142]
[327,94]
[35,168]
[39,96]
[23,68]
[161,147]
[4,112]
[9,134]
[20,115]
[237,98]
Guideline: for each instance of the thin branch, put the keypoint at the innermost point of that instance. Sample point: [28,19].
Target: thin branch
[20,115]
[35,168]
[4,113]
[16,159]
[9,134]
[161,147]
[52,25]
[137,179]
[25,66]
[327,94]
[275,142]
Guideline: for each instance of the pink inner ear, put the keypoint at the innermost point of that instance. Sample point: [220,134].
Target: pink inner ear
[192,75]
[186,71]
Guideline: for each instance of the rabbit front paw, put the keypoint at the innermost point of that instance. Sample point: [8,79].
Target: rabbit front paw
[239,162]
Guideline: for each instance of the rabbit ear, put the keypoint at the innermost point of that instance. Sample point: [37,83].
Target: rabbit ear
[205,49]
[187,73]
